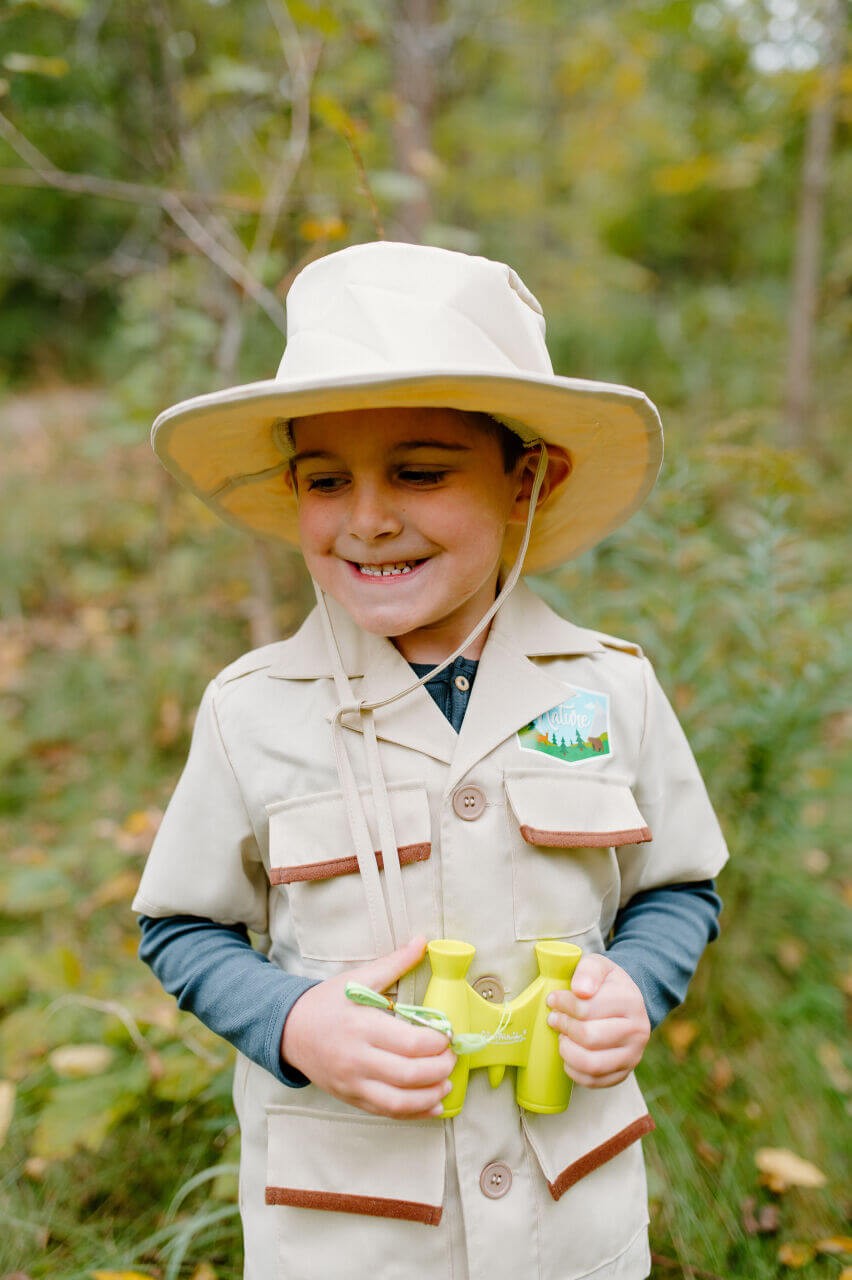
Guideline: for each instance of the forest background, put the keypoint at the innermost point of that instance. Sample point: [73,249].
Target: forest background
[666,175]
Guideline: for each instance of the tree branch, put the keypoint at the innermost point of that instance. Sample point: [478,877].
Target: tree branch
[170,201]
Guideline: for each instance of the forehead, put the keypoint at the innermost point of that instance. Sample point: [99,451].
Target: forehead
[375,432]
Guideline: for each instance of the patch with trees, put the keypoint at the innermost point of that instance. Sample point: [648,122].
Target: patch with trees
[574,731]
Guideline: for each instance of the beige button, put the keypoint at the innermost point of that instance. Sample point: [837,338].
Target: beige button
[490,988]
[469,803]
[495,1180]
[462,683]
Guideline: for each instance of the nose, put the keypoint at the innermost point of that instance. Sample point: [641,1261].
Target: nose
[373,513]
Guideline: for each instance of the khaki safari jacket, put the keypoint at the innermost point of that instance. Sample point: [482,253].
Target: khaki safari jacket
[503,839]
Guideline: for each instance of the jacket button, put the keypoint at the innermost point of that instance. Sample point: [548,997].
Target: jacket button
[469,803]
[495,1180]
[490,988]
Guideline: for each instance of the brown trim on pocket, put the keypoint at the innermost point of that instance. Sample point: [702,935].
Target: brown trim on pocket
[599,1155]
[372,1206]
[585,839]
[343,866]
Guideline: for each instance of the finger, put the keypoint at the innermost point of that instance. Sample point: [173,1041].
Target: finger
[611,1001]
[597,1033]
[403,1104]
[587,1065]
[410,1073]
[386,970]
[590,975]
[397,1036]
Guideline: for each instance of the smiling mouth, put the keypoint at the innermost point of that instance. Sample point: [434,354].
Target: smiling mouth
[394,570]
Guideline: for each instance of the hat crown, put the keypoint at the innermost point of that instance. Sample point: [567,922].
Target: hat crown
[386,308]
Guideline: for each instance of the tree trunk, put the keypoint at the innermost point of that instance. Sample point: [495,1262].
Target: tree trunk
[808,243]
[415,41]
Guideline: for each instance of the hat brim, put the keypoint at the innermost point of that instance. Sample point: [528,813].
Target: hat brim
[224,447]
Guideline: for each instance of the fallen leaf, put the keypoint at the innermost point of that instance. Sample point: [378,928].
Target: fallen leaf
[835,1245]
[782,1169]
[74,1061]
[36,1167]
[680,1033]
[7,1107]
[119,888]
[796,1254]
[846,1273]
[121,1275]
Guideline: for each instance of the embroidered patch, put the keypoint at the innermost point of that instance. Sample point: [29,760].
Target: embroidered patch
[574,731]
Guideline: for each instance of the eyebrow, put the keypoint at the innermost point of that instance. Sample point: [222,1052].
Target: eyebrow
[404,446]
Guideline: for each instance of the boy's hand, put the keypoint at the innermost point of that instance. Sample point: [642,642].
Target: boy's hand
[366,1057]
[602,1023]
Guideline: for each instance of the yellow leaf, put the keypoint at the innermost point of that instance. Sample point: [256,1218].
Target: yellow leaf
[846,1273]
[327,227]
[782,1169]
[680,1033]
[7,1107]
[121,1275]
[795,1254]
[204,1271]
[34,65]
[77,1060]
[835,1244]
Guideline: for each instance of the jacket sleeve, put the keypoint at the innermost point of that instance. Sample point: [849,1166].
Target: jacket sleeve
[686,841]
[205,860]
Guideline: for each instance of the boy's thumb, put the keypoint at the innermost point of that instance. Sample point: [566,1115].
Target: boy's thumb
[590,974]
[386,970]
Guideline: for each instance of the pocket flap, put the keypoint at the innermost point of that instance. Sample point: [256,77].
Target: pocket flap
[309,837]
[598,1125]
[355,1164]
[575,813]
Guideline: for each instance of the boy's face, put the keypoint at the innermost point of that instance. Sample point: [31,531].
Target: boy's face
[402,514]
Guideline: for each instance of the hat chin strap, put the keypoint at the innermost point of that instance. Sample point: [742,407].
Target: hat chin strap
[389,918]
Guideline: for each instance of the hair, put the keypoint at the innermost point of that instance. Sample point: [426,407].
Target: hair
[511,445]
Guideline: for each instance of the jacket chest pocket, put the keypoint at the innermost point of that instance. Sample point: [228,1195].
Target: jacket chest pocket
[311,854]
[563,833]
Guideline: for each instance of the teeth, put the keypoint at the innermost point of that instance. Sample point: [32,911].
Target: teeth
[387,570]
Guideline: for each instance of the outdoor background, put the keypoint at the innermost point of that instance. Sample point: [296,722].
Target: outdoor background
[667,176]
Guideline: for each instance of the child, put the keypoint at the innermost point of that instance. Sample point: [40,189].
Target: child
[434,754]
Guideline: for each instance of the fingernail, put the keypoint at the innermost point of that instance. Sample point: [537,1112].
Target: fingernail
[551,1000]
[551,1019]
[448,1088]
[437,1110]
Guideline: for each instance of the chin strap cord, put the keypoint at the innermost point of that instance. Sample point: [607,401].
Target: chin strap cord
[386,907]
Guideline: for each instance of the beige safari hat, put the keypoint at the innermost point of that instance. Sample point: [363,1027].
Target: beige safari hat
[384,324]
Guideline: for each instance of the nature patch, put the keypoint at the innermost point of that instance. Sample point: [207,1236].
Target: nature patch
[574,731]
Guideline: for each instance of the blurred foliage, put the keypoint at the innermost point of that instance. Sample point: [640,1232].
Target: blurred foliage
[640,167]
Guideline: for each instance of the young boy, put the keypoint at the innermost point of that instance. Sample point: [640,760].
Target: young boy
[434,754]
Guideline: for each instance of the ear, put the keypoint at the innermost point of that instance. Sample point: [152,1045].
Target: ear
[558,471]
[290,482]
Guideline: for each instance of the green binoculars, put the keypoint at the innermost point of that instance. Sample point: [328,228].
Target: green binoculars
[516,1033]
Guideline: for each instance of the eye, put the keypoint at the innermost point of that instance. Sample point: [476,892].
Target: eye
[422,477]
[324,484]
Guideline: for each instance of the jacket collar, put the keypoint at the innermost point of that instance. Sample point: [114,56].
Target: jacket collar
[509,692]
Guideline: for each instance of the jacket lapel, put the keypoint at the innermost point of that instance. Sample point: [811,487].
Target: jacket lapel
[511,690]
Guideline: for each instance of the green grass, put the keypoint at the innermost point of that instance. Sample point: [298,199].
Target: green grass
[120,598]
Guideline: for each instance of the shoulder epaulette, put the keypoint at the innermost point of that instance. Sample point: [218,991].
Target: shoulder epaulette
[255,660]
[624,646]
